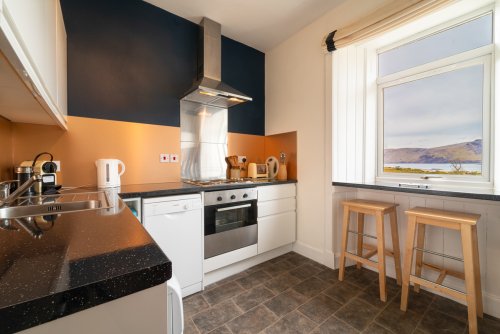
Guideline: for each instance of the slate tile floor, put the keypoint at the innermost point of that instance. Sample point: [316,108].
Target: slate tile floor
[292,294]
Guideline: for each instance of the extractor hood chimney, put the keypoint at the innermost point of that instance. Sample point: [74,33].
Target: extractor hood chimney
[208,89]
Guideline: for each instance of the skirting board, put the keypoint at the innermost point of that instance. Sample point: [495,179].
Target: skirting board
[491,303]
[219,274]
[326,258]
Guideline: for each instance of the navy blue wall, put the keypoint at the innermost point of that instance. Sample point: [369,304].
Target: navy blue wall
[130,61]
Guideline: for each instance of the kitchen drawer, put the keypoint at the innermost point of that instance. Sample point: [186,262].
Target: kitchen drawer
[268,193]
[277,206]
[275,231]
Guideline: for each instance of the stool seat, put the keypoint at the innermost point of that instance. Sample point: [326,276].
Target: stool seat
[444,215]
[418,218]
[378,210]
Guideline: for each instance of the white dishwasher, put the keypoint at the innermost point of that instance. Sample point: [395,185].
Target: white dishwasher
[175,223]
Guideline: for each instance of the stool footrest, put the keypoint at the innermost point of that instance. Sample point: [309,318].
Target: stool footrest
[363,234]
[450,272]
[374,248]
[361,259]
[438,287]
[438,254]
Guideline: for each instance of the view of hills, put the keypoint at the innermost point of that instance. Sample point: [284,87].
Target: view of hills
[468,152]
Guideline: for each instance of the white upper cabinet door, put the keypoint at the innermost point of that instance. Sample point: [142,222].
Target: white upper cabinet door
[34,23]
[61,63]
[33,41]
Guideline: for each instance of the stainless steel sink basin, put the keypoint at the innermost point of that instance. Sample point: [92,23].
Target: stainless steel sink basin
[55,204]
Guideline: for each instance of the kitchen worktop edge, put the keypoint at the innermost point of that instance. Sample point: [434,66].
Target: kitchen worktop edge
[459,193]
[181,188]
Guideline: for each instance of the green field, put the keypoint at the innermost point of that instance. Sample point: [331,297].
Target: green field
[423,171]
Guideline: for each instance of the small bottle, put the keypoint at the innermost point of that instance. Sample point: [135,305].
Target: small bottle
[282,174]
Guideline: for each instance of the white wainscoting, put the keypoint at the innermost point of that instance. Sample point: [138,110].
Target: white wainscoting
[438,240]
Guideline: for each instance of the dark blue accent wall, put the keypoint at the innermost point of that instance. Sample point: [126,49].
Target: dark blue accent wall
[131,61]
[244,69]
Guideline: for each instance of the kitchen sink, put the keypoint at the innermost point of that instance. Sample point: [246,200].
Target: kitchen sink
[55,204]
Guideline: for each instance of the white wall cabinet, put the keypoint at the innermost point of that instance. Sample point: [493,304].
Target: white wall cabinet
[276,216]
[33,62]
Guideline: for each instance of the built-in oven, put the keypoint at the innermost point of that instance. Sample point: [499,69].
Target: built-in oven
[230,220]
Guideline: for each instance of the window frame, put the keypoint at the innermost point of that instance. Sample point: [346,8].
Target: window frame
[480,56]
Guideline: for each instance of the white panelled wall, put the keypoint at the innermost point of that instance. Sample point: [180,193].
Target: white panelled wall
[437,239]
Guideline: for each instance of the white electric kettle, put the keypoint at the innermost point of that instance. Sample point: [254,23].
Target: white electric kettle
[107,172]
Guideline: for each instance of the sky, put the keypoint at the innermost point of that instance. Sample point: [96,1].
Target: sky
[435,111]
[441,109]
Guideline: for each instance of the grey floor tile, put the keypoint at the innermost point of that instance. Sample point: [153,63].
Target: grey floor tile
[285,302]
[252,321]
[305,271]
[329,275]
[334,325]
[450,307]
[357,313]
[311,287]
[488,325]
[275,269]
[252,298]
[216,316]
[298,259]
[253,279]
[282,282]
[319,308]
[418,302]
[189,327]
[223,292]
[362,277]
[343,292]
[292,323]
[221,330]
[371,294]
[435,322]
[398,321]
[376,329]
[194,304]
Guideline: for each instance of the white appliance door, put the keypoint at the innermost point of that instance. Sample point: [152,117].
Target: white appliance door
[179,235]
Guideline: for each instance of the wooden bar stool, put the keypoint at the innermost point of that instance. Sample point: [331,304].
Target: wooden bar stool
[378,210]
[466,224]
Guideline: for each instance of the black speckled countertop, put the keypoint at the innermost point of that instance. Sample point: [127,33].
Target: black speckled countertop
[472,193]
[180,188]
[84,259]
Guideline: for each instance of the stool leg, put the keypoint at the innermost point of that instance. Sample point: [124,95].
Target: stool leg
[395,244]
[361,228]
[381,256]
[470,284]
[419,255]
[410,237]
[477,272]
[345,228]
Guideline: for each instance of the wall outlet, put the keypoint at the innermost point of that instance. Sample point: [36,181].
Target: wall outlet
[164,157]
[58,164]
[241,157]
[174,157]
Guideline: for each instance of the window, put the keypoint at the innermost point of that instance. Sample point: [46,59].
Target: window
[416,103]
[434,104]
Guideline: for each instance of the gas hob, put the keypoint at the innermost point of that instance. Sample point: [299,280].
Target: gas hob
[208,183]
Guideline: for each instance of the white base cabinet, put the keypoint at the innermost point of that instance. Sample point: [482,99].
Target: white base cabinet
[276,216]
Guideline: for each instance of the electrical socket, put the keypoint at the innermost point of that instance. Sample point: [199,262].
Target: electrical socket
[164,157]
[174,158]
[58,164]
[241,157]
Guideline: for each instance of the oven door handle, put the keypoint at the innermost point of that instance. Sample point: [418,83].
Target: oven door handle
[234,207]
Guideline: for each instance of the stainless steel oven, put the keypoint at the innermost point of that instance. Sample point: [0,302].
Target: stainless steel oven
[230,220]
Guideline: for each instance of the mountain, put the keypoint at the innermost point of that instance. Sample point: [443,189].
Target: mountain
[468,152]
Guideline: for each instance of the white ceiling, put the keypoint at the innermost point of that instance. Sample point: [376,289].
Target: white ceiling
[261,24]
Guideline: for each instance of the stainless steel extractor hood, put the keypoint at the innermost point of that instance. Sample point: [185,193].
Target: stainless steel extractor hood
[208,89]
